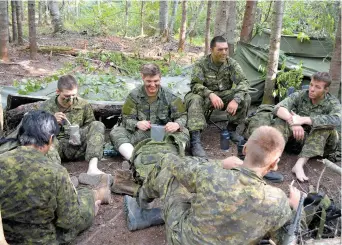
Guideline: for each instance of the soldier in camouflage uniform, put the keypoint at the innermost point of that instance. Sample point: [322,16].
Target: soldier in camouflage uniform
[67,106]
[310,117]
[146,105]
[205,203]
[217,82]
[39,204]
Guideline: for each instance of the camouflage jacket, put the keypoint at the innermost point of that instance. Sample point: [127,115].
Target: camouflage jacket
[325,114]
[207,78]
[80,112]
[229,206]
[167,108]
[36,197]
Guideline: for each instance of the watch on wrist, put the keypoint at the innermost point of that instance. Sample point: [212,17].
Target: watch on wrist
[238,100]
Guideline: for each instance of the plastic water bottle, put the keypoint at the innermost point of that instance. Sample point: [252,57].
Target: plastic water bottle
[110,151]
[224,140]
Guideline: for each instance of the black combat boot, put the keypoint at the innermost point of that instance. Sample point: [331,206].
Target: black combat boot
[195,144]
[274,177]
[138,218]
[234,136]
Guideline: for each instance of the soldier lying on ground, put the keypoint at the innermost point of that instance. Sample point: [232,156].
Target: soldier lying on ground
[310,117]
[146,105]
[39,204]
[212,87]
[69,108]
[206,204]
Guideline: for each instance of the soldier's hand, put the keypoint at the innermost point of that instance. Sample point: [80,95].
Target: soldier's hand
[171,127]
[232,107]
[60,116]
[216,101]
[231,162]
[143,125]
[294,197]
[298,132]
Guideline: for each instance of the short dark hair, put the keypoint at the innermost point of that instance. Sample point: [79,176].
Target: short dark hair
[67,82]
[322,76]
[37,128]
[217,39]
[150,69]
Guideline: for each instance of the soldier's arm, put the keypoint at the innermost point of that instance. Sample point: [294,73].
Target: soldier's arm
[197,82]
[239,78]
[67,212]
[283,108]
[178,112]
[88,115]
[331,120]
[129,114]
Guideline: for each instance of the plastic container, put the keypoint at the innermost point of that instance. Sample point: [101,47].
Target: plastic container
[74,135]
[157,132]
[224,140]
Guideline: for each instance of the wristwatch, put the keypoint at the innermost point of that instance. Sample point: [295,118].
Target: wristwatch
[237,99]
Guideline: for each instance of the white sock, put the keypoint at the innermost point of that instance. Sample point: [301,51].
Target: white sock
[92,168]
[126,150]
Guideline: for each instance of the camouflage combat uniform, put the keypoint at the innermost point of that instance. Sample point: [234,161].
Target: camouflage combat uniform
[91,131]
[207,78]
[39,204]
[321,137]
[205,204]
[166,108]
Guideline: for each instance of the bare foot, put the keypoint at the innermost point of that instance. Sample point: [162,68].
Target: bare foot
[97,206]
[299,172]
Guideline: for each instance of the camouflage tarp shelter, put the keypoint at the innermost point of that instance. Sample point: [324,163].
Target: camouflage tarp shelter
[314,54]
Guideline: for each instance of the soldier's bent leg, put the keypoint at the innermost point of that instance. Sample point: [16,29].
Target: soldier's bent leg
[87,209]
[283,127]
[121,140]
[94,140]
[195,106]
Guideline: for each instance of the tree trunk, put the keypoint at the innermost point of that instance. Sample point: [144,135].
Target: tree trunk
[141,18]
[1,119]
[3,31]
[181,45]
[207,29]
[14,21]
[19,12]
[32,28]
[194,18]
[163,13]
[40,12]
[8,24]
[335,64]
[221,19]
[127,6]
[248,21]
[231,26]
[55,16]
[273,55]
[46,11]
[173,17]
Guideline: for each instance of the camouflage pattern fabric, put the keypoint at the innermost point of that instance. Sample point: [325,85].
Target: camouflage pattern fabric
[92,132]
[148,153]
[39,204]
[205,204]
[227,81]
[321,137]
[167,108]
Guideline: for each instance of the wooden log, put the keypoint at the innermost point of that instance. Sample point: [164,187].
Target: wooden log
[332,166]
[102,110]
[331,241]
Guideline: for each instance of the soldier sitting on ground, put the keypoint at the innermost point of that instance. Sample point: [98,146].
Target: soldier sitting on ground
[39,204]
[68,109]
[212,87]
[146,105]
[203,203]
[310,118]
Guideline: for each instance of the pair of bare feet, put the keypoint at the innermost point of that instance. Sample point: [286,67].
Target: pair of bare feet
[298,169]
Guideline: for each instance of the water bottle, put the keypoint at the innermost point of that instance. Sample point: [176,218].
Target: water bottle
[110,151]
[240,146]
[224,140]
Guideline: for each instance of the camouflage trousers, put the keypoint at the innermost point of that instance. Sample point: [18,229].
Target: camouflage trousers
[317,142]
[92,141]
[87,210]
[199,109]
[120,135]
[175,198]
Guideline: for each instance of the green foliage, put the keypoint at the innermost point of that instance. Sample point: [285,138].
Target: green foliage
[286,79]
[302,37]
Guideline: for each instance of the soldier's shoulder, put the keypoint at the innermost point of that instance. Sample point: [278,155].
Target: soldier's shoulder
[274,195]
[169,93]
[203,61]
[51,102]
[135,93]
[82,102]
[333,100]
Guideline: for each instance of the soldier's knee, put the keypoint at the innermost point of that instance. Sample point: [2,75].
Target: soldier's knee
[99,126]
[193,98]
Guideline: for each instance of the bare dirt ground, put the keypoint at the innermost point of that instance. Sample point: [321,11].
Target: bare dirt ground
[109,226]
